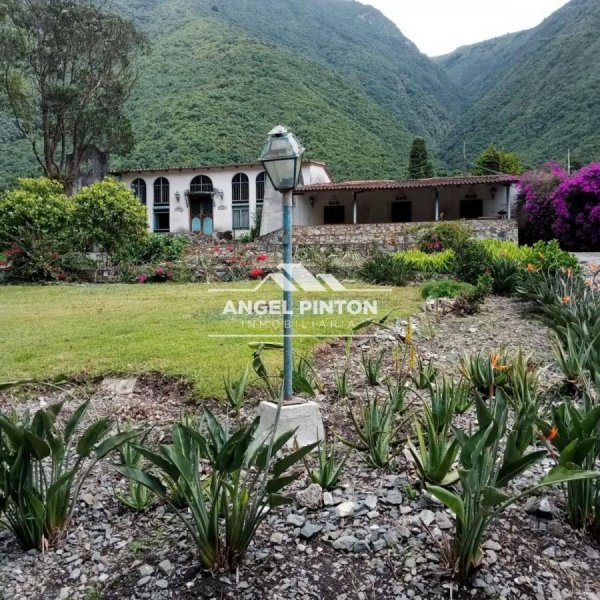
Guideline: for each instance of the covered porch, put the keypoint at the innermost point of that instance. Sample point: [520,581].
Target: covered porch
[406,201]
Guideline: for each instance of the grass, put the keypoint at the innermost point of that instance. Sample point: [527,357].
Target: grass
[132,329]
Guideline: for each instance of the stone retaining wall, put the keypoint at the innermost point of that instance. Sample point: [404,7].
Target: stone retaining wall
[382,236]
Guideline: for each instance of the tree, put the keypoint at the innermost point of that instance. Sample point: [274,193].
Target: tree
[493,160]
[419,166]
[66,69]
[108,215]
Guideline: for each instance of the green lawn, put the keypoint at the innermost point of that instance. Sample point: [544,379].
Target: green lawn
[131,329]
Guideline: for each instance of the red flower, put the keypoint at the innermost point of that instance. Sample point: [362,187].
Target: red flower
[229,248]
[3,263]
[262,257]
[61,276]
[256,273]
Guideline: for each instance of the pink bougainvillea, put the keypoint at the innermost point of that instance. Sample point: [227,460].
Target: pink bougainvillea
[536,189]
[576,203]
[256,273]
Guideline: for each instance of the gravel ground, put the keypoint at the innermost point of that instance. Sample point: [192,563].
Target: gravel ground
[376,536]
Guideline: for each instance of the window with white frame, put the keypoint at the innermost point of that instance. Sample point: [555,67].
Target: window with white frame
[240,193]
[139,190]
[162,217]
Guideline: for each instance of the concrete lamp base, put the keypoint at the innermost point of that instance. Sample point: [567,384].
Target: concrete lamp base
[304,417]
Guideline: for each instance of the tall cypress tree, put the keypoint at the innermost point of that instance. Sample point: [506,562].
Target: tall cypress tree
[419,166]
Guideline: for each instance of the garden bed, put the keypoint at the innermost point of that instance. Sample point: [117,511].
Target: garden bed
[387,547]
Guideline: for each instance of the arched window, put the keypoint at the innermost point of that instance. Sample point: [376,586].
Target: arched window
[240,188]
[201,185]
[161,191]
[261,179]
[139,189]
[162,218]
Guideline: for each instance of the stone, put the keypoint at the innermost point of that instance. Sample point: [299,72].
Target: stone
[304,418]
[345,543]
[165,566]
[370,502]
[492,545]
[296,520]
[393,497]
[427,517]
[327,499]
[542,508]
[163,584]
[143,581]
[311,497]
[345,509]
[309,530]
[361,547]
[276,538]
[118,387]
[442,521]
[146,570]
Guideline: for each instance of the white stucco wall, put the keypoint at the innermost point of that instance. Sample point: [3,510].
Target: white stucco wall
[376,206]
[222,178]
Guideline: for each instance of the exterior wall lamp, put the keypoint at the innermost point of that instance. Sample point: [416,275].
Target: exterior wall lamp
[178,196]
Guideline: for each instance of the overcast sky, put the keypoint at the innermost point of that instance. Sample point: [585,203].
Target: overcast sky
[440,26]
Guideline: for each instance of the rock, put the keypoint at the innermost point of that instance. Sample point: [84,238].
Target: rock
[311,497]
[163,584]
[550,552]
[345,543]
[403,531]
[426,517]
[442,521]
[393,497]
[555,529]
[492,545]
[165,566]
[277,538]
[118,387]
[146,570]
[361,547]
[370,502]
[379,545]
[542,508]
[296,520]
[345,509]
[327,499]
[309,530]
[143,581]
[74,574]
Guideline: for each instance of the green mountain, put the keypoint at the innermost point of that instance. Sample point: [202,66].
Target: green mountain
[356,91]
[535,92]
[222,72]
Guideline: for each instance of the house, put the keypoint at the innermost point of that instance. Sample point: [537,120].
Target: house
[215,199]
[211,199]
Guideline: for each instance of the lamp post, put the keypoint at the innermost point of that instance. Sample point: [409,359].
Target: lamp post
[282,160]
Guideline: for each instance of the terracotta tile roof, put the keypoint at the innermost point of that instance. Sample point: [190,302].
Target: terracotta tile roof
[206,167]
[407,184]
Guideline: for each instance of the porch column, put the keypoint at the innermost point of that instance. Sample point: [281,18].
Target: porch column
[354,211]
[508,207]
[437,204]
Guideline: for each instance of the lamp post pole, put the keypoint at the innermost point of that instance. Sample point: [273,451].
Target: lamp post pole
[288,300]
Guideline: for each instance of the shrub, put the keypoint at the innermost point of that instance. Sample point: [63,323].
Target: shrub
[444,236]
[229,485]
[444,288]
[42,470]
[108,215]
[472,260]
[154,248]
[38,207]
[470,300]
[387,269]
[577,206]
[439,263]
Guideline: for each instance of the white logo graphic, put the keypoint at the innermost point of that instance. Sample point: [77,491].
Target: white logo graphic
[295,277]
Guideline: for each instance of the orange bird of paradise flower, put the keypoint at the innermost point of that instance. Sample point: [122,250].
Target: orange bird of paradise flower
[567,299]
[495,359]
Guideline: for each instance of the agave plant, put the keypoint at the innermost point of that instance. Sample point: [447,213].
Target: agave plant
[425,374]
[372,367]
[236,390]
[227,504]
[329,468]
[485,473]
[377,431]
[340,379]
[436,452]
[486,370]
[42,470]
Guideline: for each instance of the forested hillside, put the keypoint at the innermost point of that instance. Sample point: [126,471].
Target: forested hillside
[356,91]
[535,93]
